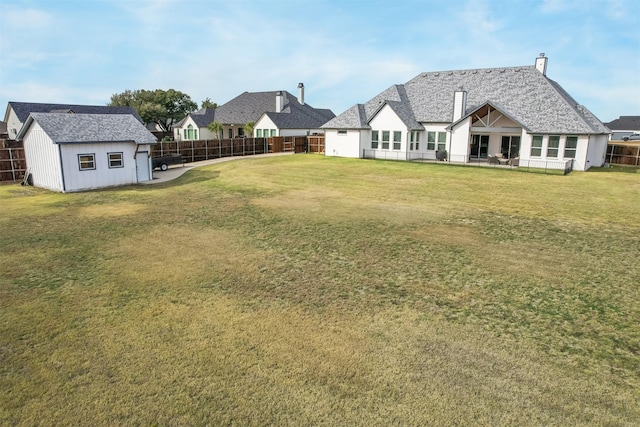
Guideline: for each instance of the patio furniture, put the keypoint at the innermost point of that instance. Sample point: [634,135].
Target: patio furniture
[515,161]
[501,159]
[493,160]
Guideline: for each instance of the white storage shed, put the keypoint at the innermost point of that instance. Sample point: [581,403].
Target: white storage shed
[69,152]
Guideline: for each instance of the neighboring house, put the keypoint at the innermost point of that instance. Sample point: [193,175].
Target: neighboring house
[3,131]
[623,127]
[470,115]
[75,152]
[276,113]
[17,112]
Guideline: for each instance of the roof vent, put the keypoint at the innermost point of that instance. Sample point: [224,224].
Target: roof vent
[301,93]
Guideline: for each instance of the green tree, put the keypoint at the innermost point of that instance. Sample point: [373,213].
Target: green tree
[216,128]
[208,104]
[248,128]
[161,107]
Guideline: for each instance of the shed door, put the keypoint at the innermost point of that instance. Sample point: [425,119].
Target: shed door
[142,166]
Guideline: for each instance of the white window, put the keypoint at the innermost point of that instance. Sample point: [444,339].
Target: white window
[115,160]
[536,146]
[570,147]
[385,139]
[554,144]
[87,162]
[190,132]
[374,139]
[273,132]
[431,140]
[258,133]
[415,137]
[397,139]
[442,141]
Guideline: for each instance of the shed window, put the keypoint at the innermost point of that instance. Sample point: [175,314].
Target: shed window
[87,161]
[115,160]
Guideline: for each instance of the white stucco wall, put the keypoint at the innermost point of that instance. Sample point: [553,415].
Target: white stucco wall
[588,151]
[459,151]
[203,132]
[43,159]
[349,144]
[597,151]
[265,123]
[387,120]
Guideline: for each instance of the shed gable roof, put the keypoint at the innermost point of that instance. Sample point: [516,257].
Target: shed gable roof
[64,128]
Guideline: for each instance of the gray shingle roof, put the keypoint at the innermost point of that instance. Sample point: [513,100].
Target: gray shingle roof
[628,123]
[202,117]
[354,118]
[90,128]
[525,94]
[23,109]
[250,106]
[296,116]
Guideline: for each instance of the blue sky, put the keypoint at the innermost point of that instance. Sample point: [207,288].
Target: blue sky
[345,51]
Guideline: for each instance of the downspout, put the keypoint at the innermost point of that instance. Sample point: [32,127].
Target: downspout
[64,185]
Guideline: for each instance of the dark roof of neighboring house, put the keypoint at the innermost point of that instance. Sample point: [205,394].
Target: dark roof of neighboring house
[250,106]
[23,109]
[629,123]
[201,118]
[3,127]
[528,96]
[65,128]
[296,116]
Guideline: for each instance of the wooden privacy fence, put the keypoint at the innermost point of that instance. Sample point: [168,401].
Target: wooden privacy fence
[206,149]
[13,164]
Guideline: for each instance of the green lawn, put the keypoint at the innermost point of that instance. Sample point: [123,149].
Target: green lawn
[304,290]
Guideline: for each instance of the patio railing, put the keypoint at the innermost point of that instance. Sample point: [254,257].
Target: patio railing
[541,165]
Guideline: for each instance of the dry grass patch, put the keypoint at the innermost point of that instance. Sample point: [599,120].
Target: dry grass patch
[303,290]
